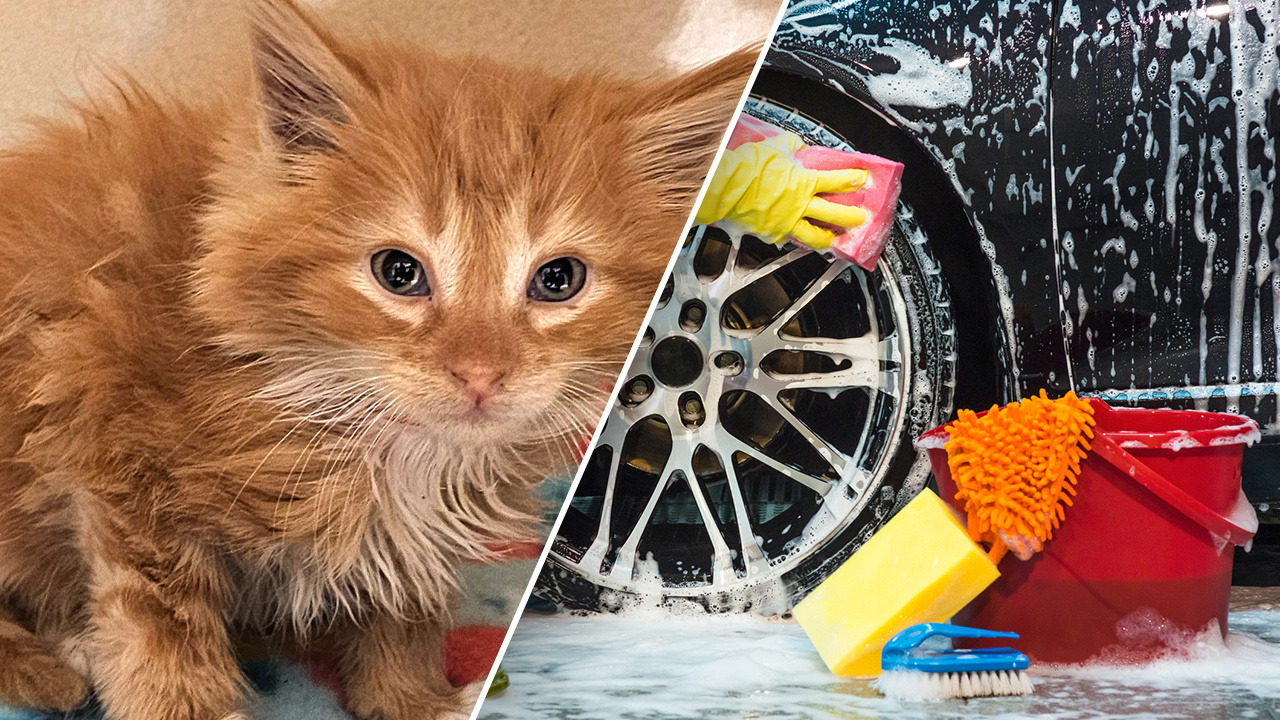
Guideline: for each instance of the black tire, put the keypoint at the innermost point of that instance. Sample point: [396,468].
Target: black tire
[893,471]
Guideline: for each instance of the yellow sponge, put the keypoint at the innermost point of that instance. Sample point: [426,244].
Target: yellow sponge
[920,567]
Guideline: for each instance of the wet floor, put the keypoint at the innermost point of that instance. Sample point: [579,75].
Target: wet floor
[655,668]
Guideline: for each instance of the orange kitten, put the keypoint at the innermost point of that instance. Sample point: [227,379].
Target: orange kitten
[277,366]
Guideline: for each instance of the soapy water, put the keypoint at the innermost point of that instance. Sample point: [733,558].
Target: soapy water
[921,81]
[1167,116]
[1181,441]
[644,665]
[1201,120]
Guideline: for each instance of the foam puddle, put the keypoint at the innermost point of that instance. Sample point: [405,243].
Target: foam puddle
[653,667]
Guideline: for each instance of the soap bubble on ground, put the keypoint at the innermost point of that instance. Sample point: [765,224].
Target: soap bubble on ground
[648,666]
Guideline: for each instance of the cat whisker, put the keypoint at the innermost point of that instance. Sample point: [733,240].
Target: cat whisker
[299,423]
[329,473]
[360,402]
[298,470]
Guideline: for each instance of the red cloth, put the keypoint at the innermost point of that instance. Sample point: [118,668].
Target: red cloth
[470,650]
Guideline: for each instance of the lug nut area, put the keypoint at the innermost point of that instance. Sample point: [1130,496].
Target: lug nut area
[729,362]
[637,390]
[692,412]
[692,315]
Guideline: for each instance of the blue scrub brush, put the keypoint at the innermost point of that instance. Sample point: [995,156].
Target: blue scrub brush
[910,673]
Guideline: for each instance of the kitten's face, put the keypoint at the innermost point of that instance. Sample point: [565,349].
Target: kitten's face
[454,246]
[479,314]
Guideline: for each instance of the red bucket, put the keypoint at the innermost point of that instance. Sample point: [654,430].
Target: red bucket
[1143,558]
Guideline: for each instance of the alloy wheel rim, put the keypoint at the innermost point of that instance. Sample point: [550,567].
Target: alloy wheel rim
[713,359]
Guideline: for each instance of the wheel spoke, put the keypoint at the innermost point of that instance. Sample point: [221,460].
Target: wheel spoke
[865,356]
[732,444]
[864,375]
[831,273]
[625,564]
[722,573]
[731,262]
[614,433]
[833,456]
[769,268]
[594,555]
[863,347]
[752,556]
[836,502]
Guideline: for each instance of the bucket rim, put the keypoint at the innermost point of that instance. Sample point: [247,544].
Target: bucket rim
[1240,523]
[1232,430]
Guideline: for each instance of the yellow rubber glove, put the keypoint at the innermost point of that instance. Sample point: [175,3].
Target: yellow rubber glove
[760,186]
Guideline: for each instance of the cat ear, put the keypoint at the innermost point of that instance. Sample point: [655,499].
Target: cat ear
[303,84]
[681,126]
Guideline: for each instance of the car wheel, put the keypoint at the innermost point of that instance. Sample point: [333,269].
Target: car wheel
[763,430]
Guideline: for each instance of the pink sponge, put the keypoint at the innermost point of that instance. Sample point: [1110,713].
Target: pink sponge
[749,129]
[879,197]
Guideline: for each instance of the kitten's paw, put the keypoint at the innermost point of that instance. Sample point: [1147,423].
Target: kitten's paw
[414,705]
[32,675]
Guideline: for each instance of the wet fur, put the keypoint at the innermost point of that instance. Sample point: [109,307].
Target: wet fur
[217,423]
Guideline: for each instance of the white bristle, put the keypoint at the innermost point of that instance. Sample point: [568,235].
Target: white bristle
[916,685]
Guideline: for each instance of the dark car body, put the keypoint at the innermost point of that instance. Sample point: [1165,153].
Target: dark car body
[1102,180]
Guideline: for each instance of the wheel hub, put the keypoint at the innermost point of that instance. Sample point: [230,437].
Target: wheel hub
[677,361]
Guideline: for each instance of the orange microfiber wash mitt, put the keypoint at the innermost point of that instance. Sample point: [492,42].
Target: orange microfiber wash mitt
[1015,468]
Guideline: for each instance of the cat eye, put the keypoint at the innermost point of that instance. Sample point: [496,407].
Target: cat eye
[557,280]
[400,273]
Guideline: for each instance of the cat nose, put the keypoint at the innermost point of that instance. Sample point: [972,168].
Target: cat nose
[480,381]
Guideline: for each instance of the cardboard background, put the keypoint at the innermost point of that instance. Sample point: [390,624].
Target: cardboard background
[53,50]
